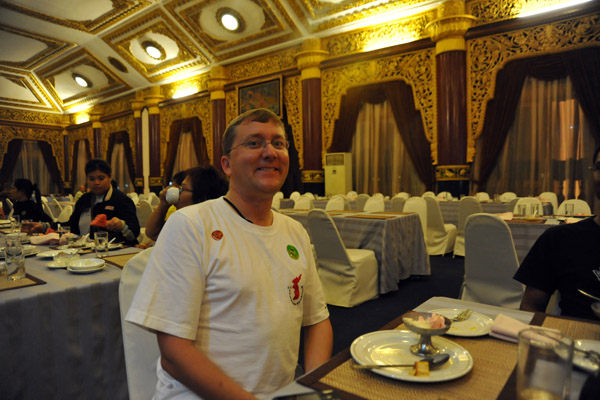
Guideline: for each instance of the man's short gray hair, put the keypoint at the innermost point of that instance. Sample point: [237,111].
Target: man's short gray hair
[262,115]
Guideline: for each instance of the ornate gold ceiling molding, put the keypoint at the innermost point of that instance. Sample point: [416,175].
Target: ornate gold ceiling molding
[29,82]
[54,48]
[488,55]
[292,95]
[416,69]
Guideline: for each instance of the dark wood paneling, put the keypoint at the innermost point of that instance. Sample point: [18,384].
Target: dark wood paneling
[139,148]
[97,132]
[218,122]
[66,158]
[311,121]
[154,139]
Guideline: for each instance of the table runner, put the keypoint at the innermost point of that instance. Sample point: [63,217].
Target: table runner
[119,260]
[29,280]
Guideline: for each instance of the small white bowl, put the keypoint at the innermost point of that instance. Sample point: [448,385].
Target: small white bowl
[87,263]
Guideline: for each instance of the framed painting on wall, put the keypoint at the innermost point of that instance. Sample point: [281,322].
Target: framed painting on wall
[266,94]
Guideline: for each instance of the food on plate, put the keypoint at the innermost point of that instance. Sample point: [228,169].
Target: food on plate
[434,322]
[420,368]
[100,221]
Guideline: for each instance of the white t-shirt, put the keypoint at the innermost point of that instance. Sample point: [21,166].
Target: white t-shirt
[239,290]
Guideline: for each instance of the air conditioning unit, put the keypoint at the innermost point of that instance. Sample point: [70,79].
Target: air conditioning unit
[338,173]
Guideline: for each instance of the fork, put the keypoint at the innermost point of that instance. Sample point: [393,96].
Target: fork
[462,316]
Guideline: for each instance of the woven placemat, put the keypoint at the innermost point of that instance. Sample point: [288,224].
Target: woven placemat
[493,360]
[580,330]
[29,280]
[119,260]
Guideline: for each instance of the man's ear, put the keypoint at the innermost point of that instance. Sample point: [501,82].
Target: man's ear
[225,165]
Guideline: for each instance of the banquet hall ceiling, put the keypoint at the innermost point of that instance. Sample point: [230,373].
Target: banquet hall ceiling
[44,44]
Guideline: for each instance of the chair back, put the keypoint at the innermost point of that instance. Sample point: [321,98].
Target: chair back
[490,263]
[482,196]
[57,206]
[507,197]
[140,346]
[278,195]
[530,203]
[361,199]
[276,203]
[143,212]
[435,221]
[326,238]
[71,198]
[551,198]
[295,195]
[336,203]
[65,214]
[303,203]
[352,194]
[418,205]
[309,195]
[403,195]
[397,204]
[467,206]
[154,200]
[428,193]
[44,199]
[10,206]
[374,204]
[579,207]
[444,196]
[46,208]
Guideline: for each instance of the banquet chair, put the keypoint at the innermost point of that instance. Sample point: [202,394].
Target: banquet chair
[337,202]
[579,207]
[276,203]
[378,195]
[294,195]
[552,198]
[397,204]
[56,205]
[352,194]
[403,195]
[374,204]
[530,203]
[303,203]
[71,198]
[428,193]
[349,276]
[142,196]
[65,214]
[278,195]
[490,263]
[309,195]
[154,200]
[46,208]
[143,212]
[418,205]
[444,196]
[440,237]
[507,197]
[482,196]
[139,345]
[467,206]
[361,199]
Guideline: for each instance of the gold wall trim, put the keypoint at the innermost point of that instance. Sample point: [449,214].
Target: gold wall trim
[156,181]
[292,95]
[453,172]
[488,55]
[139,182]
[313,176]
[11,114]
[417,69]
[263,65]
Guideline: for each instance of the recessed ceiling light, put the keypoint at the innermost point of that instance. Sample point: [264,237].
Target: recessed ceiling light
[153,49]
[82,80]
[230,20]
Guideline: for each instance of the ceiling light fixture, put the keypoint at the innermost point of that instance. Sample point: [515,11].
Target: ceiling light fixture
[153,49]
[81,80]
[231,20]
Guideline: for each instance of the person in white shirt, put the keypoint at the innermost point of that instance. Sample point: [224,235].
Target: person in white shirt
[230,283]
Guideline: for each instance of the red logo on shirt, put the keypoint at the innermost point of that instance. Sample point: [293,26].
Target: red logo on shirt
[296,291]
[217,235]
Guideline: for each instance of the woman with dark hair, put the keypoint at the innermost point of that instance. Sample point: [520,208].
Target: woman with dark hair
[120,218]
[23,205]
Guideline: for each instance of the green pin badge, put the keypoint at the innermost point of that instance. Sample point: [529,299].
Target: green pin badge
[293,252]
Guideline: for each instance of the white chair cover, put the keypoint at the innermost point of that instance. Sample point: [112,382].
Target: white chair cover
[378,195]
[349,276]
[361,199]
[417,205]
[46,208]
[403,195]
[550,197]
[490,263]
[295,195]
[352,194]
[445,196]
[374,204]
[467,206]
[140,346]
[143,212]
[529,202]
[309,195]
[428,194]
[154,200]
[580,207]
[57,205]
[482,196]
[12,209]
[142,196]
[71,198]
[337,202]
[440,237]
[276,204]
[303,203]
[507,197]
[397,204]
[278,195]
[65,214]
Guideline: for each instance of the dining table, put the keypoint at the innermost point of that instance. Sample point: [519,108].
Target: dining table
[492,374]
[60,332]
[396,238]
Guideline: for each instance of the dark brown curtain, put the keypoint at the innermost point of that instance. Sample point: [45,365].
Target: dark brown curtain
[75,157]
[10,161]
[118,138]
[408,120]
[194,126]
[581,66]
[50,161]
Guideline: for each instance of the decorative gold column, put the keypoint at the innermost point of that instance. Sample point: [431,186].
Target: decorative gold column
[151,98]
[448,32]
[309,61]
[136,106]
[97,130]
[216,86]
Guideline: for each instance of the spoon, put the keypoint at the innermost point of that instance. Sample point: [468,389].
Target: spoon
[434,361]
[588,295]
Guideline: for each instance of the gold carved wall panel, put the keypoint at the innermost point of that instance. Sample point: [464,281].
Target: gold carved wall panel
[231,106]
[263,65]
[416,69]
[292,97]
[489,11]
[488,55]
[11,114]
[118,105]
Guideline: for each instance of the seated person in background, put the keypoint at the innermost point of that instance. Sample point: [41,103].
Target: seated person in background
[24,207]
[198,184]
[241,278]
[121,218]
[82,190]
[565,258]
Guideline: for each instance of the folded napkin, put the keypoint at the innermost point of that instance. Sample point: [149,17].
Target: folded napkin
[51,238]
[507,216]
[507,328]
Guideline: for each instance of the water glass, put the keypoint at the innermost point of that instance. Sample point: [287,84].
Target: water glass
[569,210]
[522,209]
[544,364]
[15,259]
[15,223]
[101,243]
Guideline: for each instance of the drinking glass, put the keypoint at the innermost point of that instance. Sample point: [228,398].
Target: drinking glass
[101,243]
[15,259]
[522,209]
[535,210]
[15,223]
[544,364]
[569,210]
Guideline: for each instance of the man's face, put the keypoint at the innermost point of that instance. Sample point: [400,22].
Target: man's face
[98,182]
[185,194]
[260,172]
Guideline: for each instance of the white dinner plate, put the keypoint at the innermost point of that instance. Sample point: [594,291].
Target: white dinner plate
[52,253]
[28,250]
[580,360]
[85,270]
[55,265]
[476,325]
[393,347]
[86,263]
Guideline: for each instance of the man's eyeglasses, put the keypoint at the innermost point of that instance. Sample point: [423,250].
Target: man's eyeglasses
[259,144]
[181,190]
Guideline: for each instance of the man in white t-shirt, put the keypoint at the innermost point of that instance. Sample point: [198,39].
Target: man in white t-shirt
[230,283]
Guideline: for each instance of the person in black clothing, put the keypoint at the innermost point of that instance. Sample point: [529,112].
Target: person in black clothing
[23,205]
[103,198]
